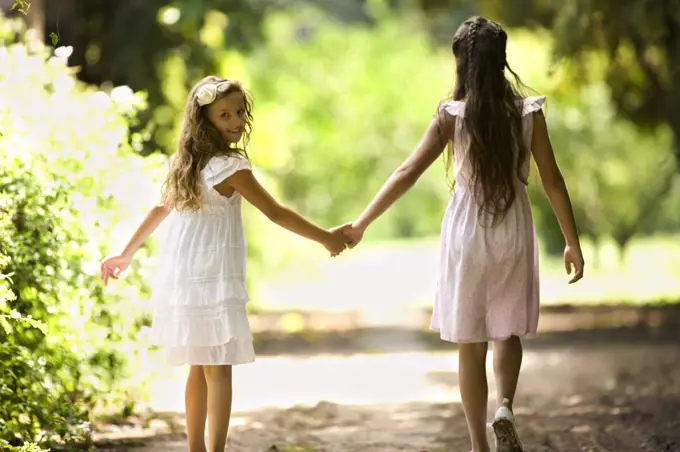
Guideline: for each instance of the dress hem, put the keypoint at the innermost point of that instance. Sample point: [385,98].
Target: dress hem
[201,363]
[449,338]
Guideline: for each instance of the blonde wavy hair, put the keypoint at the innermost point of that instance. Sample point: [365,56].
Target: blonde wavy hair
[200,141]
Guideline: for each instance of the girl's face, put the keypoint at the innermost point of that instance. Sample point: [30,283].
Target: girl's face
[227,114]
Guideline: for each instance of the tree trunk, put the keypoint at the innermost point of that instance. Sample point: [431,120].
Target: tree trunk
[622,247]
[674,115]
[36,19]
[596,253]
[673,58]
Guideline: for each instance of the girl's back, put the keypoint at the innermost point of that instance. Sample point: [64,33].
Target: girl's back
[463,171]
[206,247]
[488,269]
[488,282]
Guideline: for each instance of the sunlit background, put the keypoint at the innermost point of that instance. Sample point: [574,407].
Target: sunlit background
[91,98]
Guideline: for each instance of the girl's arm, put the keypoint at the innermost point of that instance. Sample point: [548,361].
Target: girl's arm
[152,220]
[552,179]
[558,195]
[245,183]
[113,266]
[407,174]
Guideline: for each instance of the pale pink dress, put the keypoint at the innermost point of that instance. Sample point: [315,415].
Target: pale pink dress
[488,286]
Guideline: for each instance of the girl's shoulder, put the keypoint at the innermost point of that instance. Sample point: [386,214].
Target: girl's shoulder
[529,105]
[226,157]
[217,162]
[219,167]
[532,104]
[453,107]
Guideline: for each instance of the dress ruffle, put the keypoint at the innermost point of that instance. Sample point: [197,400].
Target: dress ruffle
[197,293]
[529,105]
[234,352]
[190,326]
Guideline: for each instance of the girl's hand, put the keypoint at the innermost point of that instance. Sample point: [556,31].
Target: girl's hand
[336,242]
[573,260]
[113,266]
[353,233]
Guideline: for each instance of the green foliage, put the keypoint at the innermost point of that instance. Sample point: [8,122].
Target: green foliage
[357,105]
[189,29]
[621,177]
[642,45]
[108,52]
[67,166]
[42,393]
[22,6]
[639,43]
[26,447]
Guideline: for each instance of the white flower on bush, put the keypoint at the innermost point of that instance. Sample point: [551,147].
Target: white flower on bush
[61,55]
[122,94]
[63,83]
[63,52]
[101,100]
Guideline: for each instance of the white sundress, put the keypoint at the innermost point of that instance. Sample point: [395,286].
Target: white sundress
[199,294]
[488,284]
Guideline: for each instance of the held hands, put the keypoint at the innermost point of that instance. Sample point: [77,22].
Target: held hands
[353,233]
[341,237]
[573,260]
[113,266]
[336,241]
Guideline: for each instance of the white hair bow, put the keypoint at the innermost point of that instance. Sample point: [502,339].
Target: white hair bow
[208,93]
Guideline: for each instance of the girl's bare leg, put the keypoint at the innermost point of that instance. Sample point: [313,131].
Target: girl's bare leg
[196,405]
[507,361]
[474,391]
[218,379]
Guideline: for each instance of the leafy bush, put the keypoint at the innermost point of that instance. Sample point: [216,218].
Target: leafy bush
[68,165]
[44,392]
[26,447]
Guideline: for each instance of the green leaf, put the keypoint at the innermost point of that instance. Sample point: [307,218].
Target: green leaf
[55,38]
[22,6]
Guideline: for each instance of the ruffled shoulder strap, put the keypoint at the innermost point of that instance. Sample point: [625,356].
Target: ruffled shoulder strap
[454,108]
[532,104]
[221,167]
[529,105]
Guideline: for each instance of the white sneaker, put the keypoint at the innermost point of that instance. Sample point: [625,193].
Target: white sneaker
[507,438]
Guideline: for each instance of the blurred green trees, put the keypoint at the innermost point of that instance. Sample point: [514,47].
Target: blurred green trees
[340,100]
[640,43]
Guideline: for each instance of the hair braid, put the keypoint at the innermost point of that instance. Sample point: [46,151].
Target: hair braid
[501,38]
[495,150]
[472,33]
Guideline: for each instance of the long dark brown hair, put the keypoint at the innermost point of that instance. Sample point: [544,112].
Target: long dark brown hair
[493,114]
[199,141]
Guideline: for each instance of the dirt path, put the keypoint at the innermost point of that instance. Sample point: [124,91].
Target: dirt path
[579,397]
